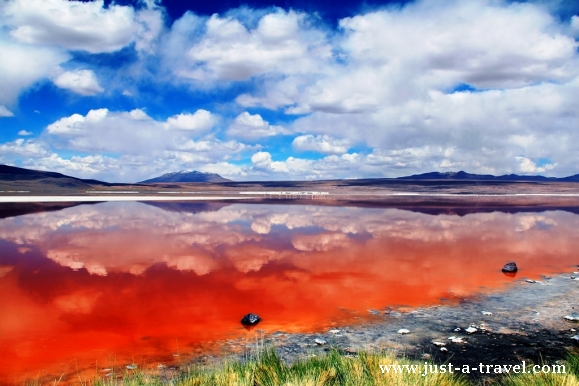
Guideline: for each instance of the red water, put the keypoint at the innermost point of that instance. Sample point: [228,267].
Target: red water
[110,284]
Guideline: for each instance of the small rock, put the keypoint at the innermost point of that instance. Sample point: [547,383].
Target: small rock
[572,330]
[487,313]
[106,370]
[319,342]
[510,267]
[457,329]
[335,331]
[575,338]
[374,312]
[250,320]
[439,344]
[131,367]
[350,350]
[426,356]
[443,349]
[403,331]
[530,281]
[471,330]
[573,317]
[452,337]
[457,340]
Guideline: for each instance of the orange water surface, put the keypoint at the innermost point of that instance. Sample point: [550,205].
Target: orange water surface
[114,283]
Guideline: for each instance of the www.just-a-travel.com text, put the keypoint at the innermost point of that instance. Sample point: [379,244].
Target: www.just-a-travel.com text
[427,368]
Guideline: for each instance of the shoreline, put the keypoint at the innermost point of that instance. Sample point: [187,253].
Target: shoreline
[527,324]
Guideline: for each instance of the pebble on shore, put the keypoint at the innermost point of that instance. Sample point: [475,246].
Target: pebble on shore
[403,331]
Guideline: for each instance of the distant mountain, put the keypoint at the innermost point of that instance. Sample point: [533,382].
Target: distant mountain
[22,177]
[187,176]
[461,175]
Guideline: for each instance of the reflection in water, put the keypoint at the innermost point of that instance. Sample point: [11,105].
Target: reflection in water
[130,280]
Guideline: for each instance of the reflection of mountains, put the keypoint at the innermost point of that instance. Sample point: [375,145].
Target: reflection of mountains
[22,208]
[188,207]
[434,208]
[424,206]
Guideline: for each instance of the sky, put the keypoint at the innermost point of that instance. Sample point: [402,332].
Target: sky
[127,90]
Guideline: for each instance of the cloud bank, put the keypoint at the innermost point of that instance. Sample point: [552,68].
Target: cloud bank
[482,86]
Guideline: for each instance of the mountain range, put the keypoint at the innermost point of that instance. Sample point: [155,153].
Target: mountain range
[16,178]
[186,176]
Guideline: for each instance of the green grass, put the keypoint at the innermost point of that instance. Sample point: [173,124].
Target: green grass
[570,378]
[268,369]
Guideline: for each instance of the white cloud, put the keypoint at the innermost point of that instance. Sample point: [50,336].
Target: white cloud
[4,112]
[24,133]
[72,25]
[140,146]
[262,161]
[83,82]
[320,143]
[252,127]
[224,169]
[529,166]
[281,42]
[22,148]
[201,120]
[21,66]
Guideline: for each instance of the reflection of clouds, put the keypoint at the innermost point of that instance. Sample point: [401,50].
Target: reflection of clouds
[201,263]
[5,270]
[80,302]
[251,258]
[321,243]
[527,222]
[132,237]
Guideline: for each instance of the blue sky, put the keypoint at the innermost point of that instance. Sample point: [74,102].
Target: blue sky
[285,90]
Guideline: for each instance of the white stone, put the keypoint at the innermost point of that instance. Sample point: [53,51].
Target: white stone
[334,331]
[487,313]
[439,344]
[319,342]
[403,331]
[471,330]
[443,349]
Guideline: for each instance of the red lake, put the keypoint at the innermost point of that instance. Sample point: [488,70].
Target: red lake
[96,285]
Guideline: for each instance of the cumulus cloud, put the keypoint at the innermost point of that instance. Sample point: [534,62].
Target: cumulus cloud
[22,65]
[130,132]
[82,82]
[4,112]
[72,25]
[24,133]
[201,120]
[37,35]
[484,86]
[140,147]
[262,161]
[252,127]
[320,143]
[281,42]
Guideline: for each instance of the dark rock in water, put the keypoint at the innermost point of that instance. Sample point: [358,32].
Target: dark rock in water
[250,320]
[510,267]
